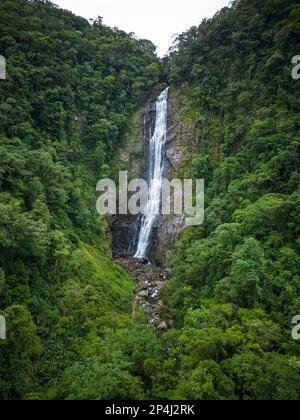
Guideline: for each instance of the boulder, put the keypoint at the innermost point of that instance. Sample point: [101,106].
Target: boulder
[162,326]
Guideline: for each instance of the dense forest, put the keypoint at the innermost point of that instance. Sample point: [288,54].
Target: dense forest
[72,87]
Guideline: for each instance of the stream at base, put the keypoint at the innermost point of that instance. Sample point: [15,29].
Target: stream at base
[149,280]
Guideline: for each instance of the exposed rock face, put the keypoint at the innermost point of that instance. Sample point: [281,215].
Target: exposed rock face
[134,158]
[124,230]
[180,147]
[175,156]
[168,231]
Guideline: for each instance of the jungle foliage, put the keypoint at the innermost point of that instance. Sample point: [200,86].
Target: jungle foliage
[236,278]
[71,90]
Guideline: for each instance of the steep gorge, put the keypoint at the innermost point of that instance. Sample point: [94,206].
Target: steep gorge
[224,293]
[133,157]
[150,270]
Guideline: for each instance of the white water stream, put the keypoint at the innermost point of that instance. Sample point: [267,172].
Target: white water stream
[156,166]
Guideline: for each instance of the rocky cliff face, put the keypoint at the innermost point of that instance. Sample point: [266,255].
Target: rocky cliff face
[134,156]
[180,148]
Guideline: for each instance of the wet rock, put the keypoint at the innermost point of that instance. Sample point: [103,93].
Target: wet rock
[162,326]
[150,280]
[181,142]
[123,230]
[143,294]
[142,260]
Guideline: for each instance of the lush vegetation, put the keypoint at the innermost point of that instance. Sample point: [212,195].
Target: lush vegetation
[236,282]
[71,89]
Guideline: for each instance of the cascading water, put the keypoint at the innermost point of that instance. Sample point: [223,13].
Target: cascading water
[156,167]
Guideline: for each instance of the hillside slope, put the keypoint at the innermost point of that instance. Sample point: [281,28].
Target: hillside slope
[236,284]
[70,89]
[73,91]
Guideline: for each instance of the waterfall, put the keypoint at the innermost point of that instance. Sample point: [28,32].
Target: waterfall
[156,166]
